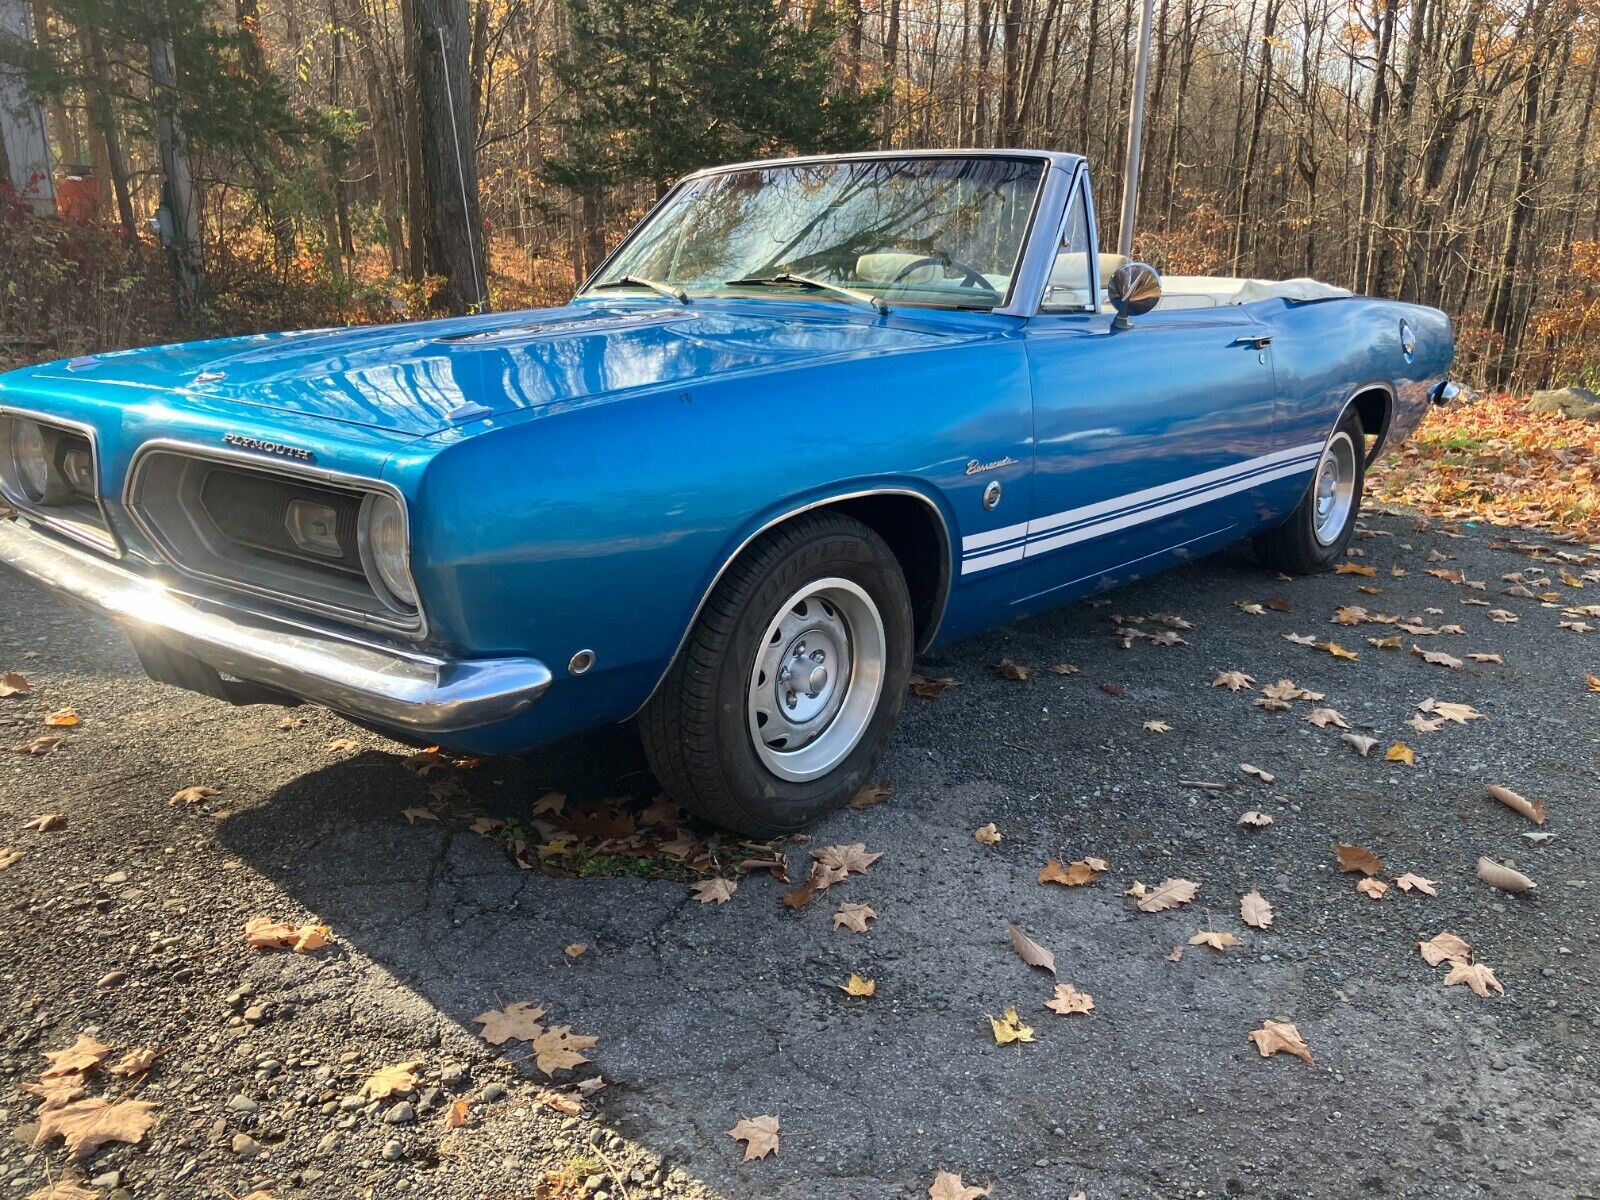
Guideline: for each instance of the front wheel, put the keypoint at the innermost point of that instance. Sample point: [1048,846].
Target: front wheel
[1318,531]
[781,702]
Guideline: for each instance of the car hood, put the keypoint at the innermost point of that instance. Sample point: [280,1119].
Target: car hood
[421,377]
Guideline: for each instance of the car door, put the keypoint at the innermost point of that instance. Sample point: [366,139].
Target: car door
[1149,441]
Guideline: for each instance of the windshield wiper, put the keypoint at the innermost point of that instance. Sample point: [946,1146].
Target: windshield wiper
[655,285]
[789,279]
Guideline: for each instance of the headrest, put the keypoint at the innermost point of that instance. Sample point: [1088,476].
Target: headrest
[1071,269]
[885,266]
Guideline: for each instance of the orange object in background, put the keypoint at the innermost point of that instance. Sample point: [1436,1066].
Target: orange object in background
[78,195]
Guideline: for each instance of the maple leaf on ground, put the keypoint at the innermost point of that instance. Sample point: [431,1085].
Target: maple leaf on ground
[1445,947]
[759,1135]
[1255,910]
[714,891]
[89,1124]
[1257,772]
[1373,889]
[950,1187]
[1401,753]
[1323,717]
[1169,893]
[857,986]
[137,1061]
[1015,672]
[1449,710]
[1477,976]
[1532,809]
[14,684]
[64,718]
[398,1079]
[987,834]
[1009,1028]
[263,933]
[1593,681]
[413,815]
[84,1055]
[1350,568]
[456,1116]
[1030,952]
[519,1020]
[193,795]
[53,1093]
[1437,657]
[343,746]
[845,859]
[1217,941]
[1157,727]
[1234,681]
[1176,954]
[1250,607]
[1069,1001]
[1338,651]
[45,822]
[932,689]
[1409,882]
[854,917]
[1507,879]
[66,1189]
[1362,744]
[576,950]
[549,804]
[1076,874]
[1256,820]
[1300,639]
[1280,1037]
[1422,725]
[1062,669]
[45,744]
[560,1049]
[872,793]
[1357,858]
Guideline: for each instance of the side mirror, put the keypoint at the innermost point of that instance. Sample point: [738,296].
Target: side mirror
[1134,290]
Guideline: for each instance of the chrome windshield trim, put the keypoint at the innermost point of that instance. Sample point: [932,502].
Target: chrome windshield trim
[423,695]
[416,630]
[109,544]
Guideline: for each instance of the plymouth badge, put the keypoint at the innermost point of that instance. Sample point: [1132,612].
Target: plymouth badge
[277,448]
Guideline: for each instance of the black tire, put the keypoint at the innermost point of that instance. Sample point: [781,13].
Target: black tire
[697,728]
[1294,547]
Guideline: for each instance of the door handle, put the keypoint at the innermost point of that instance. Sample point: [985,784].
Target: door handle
[1256,341]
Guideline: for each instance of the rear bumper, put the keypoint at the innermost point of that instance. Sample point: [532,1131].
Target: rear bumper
[409,692]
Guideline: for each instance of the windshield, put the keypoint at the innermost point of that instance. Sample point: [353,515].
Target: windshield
[933,231]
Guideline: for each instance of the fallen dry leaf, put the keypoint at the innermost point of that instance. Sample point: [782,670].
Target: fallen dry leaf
[84,1055]
[1448,710]
[66,1189]
[857,986]
[343,746]
[1257,772]
[136,1062]
[1507,879]
[1423,725]
[1363,745]
[714,891]
[1234,681]
[263,933]
[1323,717]
[10,857]
[950,1187]
[44,744]
[398,1079]
[1075,874]
[1357,858]
[1477,976]
[854,917]
[456,1115]
[53,1093]
[1338,651]
[1437,657]
[1009,1028]
[576,950]
[13,683]
[1532,809]
[45,822]
[845,859]
[1217,941]
[1015,672]
[193,795]
[1409,882]
[1445,947]
[1157,727]
[519,1020]
[932,689]
[1256,820]
[559,1049]
[1030,952]
[872,793]
[1176,954]
[759,1135]
[1280,1037]
[987,834]
[1350,568]
[1169,893]
[89,1124]
[1373,889]
[1069,1001]
[1255,910]
[1401,753]
[1062,669]
[63,718]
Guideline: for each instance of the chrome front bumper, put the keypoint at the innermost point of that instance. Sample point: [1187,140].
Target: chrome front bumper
[410,692]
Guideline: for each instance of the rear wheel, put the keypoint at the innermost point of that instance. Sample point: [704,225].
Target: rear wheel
[1318,532]
[781,702]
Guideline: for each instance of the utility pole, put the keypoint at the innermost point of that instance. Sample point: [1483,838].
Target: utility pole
[1130,174]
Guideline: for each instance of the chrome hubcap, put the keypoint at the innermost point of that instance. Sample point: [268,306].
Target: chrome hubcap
[1335,489]
[816,680]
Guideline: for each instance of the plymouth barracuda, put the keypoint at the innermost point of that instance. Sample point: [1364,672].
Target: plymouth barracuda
[812,417]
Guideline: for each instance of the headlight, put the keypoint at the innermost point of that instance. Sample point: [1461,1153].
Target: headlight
[386,550]
[30,460]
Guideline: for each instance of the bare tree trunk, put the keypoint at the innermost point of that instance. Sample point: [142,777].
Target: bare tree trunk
[183,209]
[98,92]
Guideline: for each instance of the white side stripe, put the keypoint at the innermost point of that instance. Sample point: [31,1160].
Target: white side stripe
[1044,534]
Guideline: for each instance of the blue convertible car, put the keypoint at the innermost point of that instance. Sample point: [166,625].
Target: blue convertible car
[811,417]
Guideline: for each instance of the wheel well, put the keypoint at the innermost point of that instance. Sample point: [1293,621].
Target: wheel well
[1375,407]
[915,534]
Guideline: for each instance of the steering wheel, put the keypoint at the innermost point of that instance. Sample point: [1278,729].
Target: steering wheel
[971,276]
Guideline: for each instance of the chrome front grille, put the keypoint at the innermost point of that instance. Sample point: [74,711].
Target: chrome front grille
[290,534]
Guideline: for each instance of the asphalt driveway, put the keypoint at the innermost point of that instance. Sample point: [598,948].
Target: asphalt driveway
[127,922]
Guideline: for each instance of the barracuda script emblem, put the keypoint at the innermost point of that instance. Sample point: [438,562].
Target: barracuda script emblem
[277,448]
[977,468]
